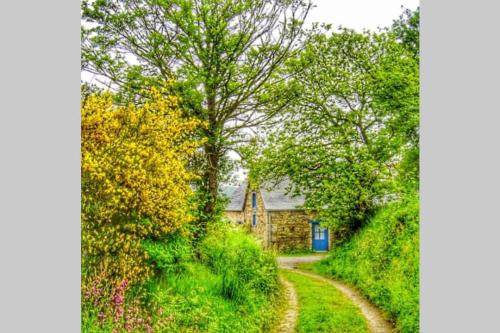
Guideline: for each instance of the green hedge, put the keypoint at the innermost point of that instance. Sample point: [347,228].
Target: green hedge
[172,255]
[240,261]
[382,260]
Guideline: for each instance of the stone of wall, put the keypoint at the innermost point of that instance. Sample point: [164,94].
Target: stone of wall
[235,217]
[291,230]
[260,230]
[330,240]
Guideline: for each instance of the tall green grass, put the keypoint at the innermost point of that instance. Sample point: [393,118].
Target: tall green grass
[225,284]
[382,260]
[232,287]
[245,269]
[194,302]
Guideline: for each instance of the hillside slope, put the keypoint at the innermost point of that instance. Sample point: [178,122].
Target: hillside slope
[382,260]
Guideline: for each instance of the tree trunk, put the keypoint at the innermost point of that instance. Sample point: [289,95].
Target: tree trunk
[212,153]
[212,175]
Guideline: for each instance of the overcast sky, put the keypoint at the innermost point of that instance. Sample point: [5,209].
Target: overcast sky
[359,14]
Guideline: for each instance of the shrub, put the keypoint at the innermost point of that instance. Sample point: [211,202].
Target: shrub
[171,255]
[243,265]
[192,302]
[231,286]
[135,183]
[135,186]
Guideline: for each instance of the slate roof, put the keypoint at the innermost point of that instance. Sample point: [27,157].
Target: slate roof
[237,198]
[228,190]
[274,197]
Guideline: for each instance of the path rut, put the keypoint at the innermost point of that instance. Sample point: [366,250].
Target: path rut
[289,321]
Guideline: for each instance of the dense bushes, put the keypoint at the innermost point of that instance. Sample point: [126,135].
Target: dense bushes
[135,187]
[227,283]
[240,261]
[140,271]
[382,260]
[135,182]
[230,287]
[171,255]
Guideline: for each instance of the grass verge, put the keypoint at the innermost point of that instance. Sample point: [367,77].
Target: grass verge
[382,261]
[194,302]
[296,253]
[227,284]
[301,253]
[323,309]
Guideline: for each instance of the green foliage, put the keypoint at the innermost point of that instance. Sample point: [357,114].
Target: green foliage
[89,89]
[297,252]
[349,139]
[201,199]
[135,185]
[323,309]
[222,54]
[382,260]
[407,28]
[193,303]
[240,261]
[171,255]
[232,287]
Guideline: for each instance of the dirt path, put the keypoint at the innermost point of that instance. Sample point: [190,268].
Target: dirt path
[289,321]
[375,320]
[291,262]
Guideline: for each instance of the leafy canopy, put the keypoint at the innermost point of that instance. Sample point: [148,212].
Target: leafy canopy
[352,124]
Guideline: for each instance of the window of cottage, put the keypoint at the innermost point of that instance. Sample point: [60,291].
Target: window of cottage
[319,233]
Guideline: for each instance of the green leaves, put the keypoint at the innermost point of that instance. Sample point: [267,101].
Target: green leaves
[407,28]
[222,54]
[383,261]
[350,134]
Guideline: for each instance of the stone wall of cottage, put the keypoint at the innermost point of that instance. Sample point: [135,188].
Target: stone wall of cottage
[291,230]
[330,240]
[260,229]
[235,217]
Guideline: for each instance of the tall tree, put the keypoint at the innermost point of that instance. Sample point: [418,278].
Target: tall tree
[222,54]
[355,115]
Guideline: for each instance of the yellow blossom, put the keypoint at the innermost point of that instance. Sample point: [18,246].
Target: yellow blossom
[133,167]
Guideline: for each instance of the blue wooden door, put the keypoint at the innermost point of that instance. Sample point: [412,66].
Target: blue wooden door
[319,238]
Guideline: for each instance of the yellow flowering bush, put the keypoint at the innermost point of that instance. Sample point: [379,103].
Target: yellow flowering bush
[134,181]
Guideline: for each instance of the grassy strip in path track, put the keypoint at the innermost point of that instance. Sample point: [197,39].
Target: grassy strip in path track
[324,309]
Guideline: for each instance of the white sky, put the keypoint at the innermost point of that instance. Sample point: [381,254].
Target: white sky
[359,14]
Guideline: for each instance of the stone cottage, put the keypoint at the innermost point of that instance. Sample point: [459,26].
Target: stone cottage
[276,217]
